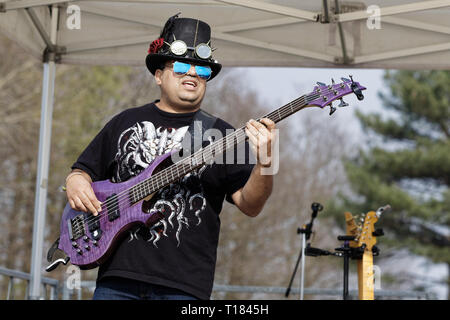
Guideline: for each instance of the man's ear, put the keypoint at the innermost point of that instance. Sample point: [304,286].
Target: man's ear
[158,75]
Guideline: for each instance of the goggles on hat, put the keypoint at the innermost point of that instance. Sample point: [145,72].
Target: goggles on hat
[202,50]
[181,68]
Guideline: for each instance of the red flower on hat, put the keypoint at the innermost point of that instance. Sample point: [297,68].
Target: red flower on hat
[156,45]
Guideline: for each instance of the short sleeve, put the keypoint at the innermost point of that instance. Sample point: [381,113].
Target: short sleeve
[98,155]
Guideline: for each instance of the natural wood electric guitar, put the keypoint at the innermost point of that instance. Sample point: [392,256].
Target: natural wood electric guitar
[88,240]
[365,238]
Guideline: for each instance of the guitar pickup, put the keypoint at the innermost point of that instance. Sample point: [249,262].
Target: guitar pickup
[92,221]
[112,207]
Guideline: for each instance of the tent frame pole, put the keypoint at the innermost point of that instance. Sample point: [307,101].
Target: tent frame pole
[48,86]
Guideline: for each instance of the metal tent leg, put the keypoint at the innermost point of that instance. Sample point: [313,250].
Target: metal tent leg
[42,178]
[48,85]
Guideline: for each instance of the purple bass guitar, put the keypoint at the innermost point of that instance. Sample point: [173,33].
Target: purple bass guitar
[88,240]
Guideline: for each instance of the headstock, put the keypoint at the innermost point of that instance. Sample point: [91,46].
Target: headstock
[364,228]
[324,95]
[366,235]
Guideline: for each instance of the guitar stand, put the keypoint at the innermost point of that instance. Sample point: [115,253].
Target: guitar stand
[344,251]
[347,253]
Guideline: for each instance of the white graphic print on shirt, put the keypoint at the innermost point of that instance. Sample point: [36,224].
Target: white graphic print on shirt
[137,147]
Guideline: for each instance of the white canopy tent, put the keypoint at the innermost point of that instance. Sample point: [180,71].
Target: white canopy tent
[412,34]
[391,34]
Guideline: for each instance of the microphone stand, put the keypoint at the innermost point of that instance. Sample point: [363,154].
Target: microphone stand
[306,234]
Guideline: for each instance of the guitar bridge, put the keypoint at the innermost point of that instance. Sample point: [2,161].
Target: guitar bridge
[76,227]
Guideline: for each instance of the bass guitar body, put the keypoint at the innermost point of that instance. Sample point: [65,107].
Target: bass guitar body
[87,239]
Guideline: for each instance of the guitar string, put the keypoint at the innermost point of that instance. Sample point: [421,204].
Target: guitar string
[183,162]
[159,177]
[204,152]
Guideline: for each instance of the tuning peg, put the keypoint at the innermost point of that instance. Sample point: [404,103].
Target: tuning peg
[343,103]
[346,80]
[351,78]
[321,84]
[332,109]
[357,91]
[332,81]
[375,251]
[384,209]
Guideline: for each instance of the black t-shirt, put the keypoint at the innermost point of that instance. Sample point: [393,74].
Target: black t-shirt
[180,250]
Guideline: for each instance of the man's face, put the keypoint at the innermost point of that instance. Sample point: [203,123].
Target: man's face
[181,91]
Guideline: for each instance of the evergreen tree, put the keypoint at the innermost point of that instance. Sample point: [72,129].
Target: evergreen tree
[407,164]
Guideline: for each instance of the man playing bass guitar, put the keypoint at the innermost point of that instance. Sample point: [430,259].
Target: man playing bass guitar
[175,257]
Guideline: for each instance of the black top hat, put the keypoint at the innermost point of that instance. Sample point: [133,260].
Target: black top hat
[183,39]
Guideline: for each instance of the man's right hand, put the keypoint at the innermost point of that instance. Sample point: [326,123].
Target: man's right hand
[80,194]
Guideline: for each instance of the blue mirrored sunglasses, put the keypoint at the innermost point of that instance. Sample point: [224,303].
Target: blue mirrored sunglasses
[181,68]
